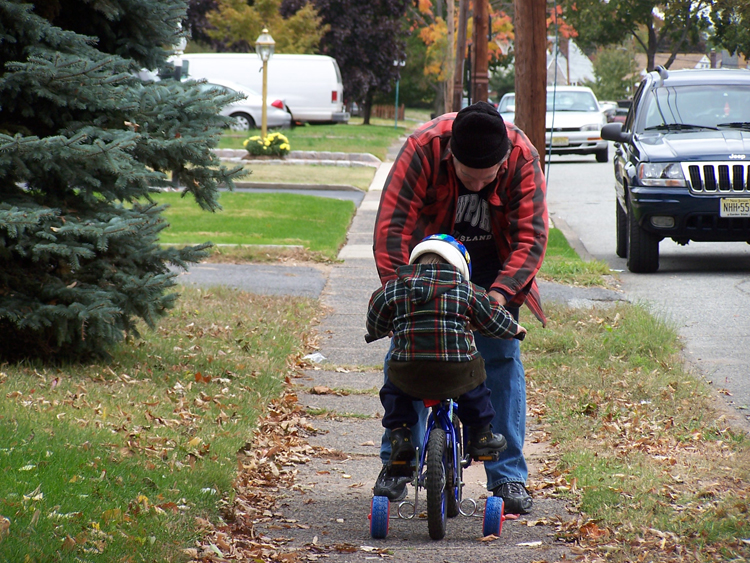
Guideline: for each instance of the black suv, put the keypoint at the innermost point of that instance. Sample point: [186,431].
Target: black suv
[682,162]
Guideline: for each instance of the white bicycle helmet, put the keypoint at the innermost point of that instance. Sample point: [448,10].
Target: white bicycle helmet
[448,248]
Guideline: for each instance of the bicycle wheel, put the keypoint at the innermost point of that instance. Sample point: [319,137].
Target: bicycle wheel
[453,493]
[435,484]
[379,517]
[493,517]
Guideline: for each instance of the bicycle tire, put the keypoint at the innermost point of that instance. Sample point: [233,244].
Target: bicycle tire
[379,512]
[453,493]
[435,484]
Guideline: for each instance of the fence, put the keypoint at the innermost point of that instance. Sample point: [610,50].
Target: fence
[385,111]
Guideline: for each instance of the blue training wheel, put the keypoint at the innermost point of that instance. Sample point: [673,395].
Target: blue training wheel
[493,517]
[379,512]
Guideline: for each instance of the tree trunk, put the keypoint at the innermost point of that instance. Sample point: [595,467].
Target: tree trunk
[531,70]
[458,84]
[480,79]
[367,109]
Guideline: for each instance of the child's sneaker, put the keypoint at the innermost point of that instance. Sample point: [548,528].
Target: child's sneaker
[391,486]
[483,445]
[402,452]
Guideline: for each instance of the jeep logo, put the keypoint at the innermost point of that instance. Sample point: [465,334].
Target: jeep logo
[737,156]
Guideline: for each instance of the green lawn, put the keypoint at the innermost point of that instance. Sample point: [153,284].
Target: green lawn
[350,138]
[357,176]
[316,223]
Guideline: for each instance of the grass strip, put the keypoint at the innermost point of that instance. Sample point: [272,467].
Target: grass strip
[318,224]
[563,265]
[119,460]
[353,137]
[357,176]
[651,464]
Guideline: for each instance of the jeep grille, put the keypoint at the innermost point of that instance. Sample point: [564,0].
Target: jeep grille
[717,177]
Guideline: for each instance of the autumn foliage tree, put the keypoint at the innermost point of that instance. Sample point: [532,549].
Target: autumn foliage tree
[429,20]
[236,24]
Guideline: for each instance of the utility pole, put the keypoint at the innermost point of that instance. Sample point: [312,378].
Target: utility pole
[530,22]
[458,69]
[450,60]
[479,78]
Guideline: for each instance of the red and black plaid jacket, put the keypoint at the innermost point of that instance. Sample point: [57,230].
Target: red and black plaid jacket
[420,195]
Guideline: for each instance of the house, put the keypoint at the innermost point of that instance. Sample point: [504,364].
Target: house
[721,59]
[568,65]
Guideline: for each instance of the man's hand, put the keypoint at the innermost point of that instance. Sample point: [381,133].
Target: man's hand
[498,297]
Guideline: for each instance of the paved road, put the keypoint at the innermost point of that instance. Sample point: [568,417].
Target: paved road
[703,287]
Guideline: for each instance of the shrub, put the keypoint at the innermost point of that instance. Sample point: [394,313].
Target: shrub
[275,144]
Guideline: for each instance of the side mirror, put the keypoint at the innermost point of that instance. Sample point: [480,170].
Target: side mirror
[613,132]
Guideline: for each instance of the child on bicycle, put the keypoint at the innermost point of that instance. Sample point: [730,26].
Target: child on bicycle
[431,310]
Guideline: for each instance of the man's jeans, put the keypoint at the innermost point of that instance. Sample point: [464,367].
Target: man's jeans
[506,380]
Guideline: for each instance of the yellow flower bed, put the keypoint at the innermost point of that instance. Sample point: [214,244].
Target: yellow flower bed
[275,144]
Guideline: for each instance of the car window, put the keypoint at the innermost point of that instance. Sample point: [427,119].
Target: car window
[507,104]
[571,101]
[698,105]
[628,125]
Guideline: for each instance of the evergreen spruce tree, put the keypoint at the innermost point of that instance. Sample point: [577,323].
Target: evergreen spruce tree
[84,144]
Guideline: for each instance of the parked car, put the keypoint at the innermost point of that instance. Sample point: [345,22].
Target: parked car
[310,85]
[248,112]
[575,115]
[682,162]
[609,109]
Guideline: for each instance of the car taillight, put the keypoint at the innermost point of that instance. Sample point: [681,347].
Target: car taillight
[334,96]
[278,104]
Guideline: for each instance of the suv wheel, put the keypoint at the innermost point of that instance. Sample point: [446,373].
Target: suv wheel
[643,247]
[602,155]
[621,222]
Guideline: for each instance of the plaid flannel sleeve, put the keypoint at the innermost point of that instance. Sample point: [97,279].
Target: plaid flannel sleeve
[379,314]
[489,318]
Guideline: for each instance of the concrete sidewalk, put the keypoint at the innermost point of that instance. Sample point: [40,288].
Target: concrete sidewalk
[332,495]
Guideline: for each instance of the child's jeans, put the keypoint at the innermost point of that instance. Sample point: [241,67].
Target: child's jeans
[474,407]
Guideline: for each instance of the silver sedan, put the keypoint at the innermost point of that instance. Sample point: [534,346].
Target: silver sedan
[247,112]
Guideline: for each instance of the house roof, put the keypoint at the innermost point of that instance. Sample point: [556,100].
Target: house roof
[690,60]
[579,66]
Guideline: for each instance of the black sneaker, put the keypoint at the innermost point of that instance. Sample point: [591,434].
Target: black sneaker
[516,498]
[483,445]
[391,486]
[402,451]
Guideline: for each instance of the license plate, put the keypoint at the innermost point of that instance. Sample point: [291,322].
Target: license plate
[560,141]
[734,207]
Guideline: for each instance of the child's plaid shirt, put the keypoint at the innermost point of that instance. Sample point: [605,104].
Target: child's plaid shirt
[428,308]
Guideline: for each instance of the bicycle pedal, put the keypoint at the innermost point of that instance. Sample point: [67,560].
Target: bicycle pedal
[488,457]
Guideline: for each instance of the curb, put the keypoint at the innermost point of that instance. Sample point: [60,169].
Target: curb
[304,157]
[317,187]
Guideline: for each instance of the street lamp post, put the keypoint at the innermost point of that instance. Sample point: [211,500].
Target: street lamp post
[397,64]
[264,47]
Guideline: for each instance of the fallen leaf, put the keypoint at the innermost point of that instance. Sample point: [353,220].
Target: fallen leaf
[529,544]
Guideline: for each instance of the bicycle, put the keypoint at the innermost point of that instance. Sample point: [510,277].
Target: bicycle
[440,474]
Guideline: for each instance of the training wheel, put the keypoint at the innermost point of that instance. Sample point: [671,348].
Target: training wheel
[493,517]
[379,512]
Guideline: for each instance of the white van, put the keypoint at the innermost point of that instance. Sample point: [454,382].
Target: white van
[310,85]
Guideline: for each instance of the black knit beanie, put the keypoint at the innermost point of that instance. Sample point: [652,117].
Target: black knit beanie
[479,138]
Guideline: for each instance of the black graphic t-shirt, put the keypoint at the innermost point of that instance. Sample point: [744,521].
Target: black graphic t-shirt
[474,230]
